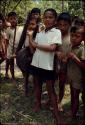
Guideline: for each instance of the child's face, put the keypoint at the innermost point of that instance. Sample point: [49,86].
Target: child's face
[76,38]
[32,25]
[36,15]
[49,19]
[63,26]
[13,20]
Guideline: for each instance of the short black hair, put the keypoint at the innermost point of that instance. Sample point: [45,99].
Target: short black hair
[36,10]
[12,14]
[74,29]
[79,22]
[52,10]
[64,16]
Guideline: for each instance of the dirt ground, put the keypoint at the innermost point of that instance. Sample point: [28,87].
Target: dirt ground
[16,109]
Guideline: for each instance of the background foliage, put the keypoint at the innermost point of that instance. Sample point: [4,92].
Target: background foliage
[23,6]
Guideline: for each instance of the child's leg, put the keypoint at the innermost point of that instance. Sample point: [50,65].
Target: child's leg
[74,101]
[7,67]
[26,83]
[12,67]
[53,99]
[62,81]
[38,92]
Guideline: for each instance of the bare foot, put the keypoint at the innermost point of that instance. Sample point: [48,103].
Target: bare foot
[14,81]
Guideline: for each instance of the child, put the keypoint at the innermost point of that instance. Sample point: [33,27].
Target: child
[63,23]
[36,12]
[83,89]
[13,34]
[45,45]
[75,66]
[83,83]
[80,22]
[24,55]
[3,41]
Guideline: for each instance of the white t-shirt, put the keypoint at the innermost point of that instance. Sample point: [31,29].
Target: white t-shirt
[43,59]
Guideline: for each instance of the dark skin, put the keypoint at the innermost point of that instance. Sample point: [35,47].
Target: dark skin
[31,28]
[47,18]
[76,39]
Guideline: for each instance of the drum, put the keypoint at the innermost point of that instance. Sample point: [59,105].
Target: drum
[23,59]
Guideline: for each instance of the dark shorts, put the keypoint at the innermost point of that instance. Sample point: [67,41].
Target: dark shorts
[42,73]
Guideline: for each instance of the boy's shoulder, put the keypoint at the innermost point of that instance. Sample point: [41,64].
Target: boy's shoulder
[55,30]
[9,30]
[82,46]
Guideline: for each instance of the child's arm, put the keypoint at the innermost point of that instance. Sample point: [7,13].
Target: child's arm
[35,45]
[76,59]
[48,48]
[30,35]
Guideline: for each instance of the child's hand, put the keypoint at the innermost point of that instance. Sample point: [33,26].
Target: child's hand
[34,44]
[30,33]
[60,55]
[71,56]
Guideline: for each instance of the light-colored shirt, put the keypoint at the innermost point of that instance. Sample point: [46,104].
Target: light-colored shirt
[10,37]
[65,47]
[41,58]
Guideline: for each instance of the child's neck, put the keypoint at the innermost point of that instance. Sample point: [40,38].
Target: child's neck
[64,34]
[48,28]
[73,46]
[13,27]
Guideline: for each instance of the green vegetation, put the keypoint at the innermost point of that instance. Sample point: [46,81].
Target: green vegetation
[75,8]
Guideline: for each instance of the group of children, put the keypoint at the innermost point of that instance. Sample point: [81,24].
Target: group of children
[55,38]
